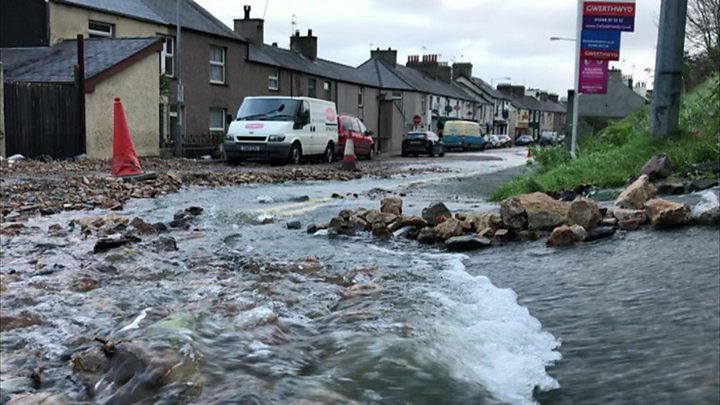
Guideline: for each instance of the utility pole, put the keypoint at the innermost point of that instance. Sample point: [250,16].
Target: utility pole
[576,83]
[180,129]
[667,90]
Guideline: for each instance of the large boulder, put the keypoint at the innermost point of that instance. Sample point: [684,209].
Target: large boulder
[448,229]
[436,213]
[565,235]
[583,212]
[625,215]
[391,205]
[541,211]
[403,221]
[636,194]
[667,214]
[375,217]
[658,167]
[341,226]
[478,221]
[467,242]
[599,232]
[512,214]
[381,231]
[427,235]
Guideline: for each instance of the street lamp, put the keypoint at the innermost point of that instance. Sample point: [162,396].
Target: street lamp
[499,78]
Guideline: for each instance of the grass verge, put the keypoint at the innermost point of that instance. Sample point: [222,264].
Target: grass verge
[618,153]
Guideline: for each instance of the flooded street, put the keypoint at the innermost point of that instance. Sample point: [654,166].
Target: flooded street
[253,313]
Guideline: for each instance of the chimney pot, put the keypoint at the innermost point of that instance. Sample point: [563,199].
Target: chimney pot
[297,33]
[274,44]
[309,32]
[246,8]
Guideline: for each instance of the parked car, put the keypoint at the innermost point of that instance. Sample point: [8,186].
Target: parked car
[426,143]
[548,139]
[465,135]
[492,141]
[524,140]
[350,127]
[282,129]
[501,140]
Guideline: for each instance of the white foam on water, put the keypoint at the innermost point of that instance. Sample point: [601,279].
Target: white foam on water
[483,335]
[136,323]
[709,202]
[489,337]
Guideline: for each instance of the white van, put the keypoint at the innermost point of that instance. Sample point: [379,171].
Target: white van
[285,129]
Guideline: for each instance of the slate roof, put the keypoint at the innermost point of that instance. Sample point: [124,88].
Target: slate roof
[381,75]
[164,12]
[287,59]
[56,64]
[480,98]
[489,89]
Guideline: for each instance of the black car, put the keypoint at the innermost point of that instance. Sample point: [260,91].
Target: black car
[524,140]
[426,143]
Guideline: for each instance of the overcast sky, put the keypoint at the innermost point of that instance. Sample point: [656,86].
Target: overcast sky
[501,38]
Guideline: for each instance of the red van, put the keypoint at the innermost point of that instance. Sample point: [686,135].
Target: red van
[352,127]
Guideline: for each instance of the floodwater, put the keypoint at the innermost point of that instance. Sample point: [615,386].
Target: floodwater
[244,313]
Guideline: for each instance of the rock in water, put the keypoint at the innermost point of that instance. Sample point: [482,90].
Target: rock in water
[707,211]
[450,228]
[105,244]
[583,212]
[477,221]
[293,225]
[375,217]
[629,224]
[381,231]
[513,214]
[427,235]
[636,194]
[667,214]
[542,211]
[165,244]
[467,242]
[599,232]
[565,235]
[436,213]
[658,167]
[143,227]
[391,205]
[625,215]
[703,184]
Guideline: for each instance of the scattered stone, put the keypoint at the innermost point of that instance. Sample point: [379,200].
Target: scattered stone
[360,224]
[513,214]
[194,211]
[565,235]
[486,232]
[636,194]
[403,221]
[313,228]
[160,227]
[436,213]
[293,225]
[703,184]
[480,220]
[45,398]
[667,214]
[658,167]
[265,199]
[630,224]
[583,212]
[19,321]
[381,231]
[448,229]
[341,226]
[466,242]
[105,244]
[427,235]
[266,221]
[391,205]
[671,188]
[599,232]
[502,233]
[609,222]
[143,227]
[710,217]
[180,223]
[11,228]
[528,236]
[336,195]
[165,244]
[579,231]
[625,215]
[85,284]
[376,216]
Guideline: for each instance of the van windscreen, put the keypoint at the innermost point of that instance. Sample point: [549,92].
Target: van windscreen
[268,109]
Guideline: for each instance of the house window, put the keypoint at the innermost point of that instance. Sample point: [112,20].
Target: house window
[360,97]
[217,65]
[217,119]
[274,79]
[167,58]
[97,29]
[327,90]
[312,88]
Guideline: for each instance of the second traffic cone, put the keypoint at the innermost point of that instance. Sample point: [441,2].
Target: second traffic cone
[125,162]
[348,162]
[529,153]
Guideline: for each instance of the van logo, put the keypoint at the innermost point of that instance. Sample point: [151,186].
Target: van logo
[254,125]
[329,114]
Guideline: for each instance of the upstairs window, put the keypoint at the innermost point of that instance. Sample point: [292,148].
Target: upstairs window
[312,88]
[97,29]
[327,90]
[274,79]
[167,58]
[360,97]
[217,65]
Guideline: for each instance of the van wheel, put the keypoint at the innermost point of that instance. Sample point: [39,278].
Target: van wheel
[329,155]
[371,154]
[441,153]
[295,157]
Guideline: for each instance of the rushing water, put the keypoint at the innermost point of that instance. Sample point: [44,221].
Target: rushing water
[243,315]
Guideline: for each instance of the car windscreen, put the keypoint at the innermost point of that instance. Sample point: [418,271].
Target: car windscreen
[268,109]
[416,135]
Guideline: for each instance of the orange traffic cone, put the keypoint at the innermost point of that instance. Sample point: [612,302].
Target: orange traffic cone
[348,162]
[529,153]
[125,162]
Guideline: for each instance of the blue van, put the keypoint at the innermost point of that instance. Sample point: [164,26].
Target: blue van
[463,135]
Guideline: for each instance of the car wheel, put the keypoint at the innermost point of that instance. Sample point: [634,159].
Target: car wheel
[329,155]
[441,152]
[431,151]
[295,157]
[371,154]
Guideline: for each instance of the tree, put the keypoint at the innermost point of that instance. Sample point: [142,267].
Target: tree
[703,29]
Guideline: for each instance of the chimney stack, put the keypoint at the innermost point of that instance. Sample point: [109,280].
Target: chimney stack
[428,66]
[307,45]
[518,91]
[553,97]
[251,29]
[462,70]
[389,56]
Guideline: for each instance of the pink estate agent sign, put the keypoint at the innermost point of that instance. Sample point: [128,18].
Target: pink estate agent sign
[593,76]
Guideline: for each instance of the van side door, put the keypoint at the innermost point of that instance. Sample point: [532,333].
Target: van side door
[304,133]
